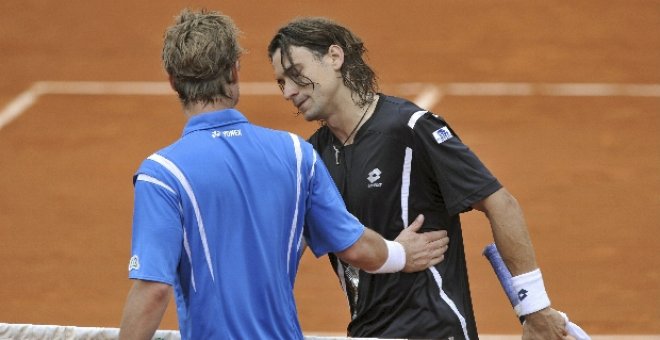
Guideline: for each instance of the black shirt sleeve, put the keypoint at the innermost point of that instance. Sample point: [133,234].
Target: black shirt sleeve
[463,179]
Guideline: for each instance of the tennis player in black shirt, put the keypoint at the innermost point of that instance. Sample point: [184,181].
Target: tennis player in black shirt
[391,161]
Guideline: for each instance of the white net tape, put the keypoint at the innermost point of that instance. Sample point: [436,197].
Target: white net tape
[53,332]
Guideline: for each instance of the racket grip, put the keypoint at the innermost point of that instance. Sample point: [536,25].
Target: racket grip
[503,275]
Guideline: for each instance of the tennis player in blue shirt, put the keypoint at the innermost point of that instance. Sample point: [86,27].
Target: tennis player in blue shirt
[221,215]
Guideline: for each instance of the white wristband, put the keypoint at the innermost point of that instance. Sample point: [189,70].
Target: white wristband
[396,259]
[531,292]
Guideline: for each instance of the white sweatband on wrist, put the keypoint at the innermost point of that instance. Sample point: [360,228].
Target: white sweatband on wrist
[396,259]
[531,292]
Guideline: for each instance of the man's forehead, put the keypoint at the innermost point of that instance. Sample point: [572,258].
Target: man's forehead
[298,55]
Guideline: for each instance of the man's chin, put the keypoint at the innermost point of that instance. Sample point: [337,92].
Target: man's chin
[309,116]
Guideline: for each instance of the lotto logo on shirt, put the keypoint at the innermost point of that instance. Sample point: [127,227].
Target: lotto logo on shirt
[374,175]
[442,134]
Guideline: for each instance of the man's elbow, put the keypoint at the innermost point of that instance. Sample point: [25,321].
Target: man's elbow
[162,292]
[351,255]
[369,253]
[155,293]
[501,200]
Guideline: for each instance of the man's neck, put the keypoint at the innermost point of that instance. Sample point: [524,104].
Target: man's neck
[199,108]
[221,103]
[347,121]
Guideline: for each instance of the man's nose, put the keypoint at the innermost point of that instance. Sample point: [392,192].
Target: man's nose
[289,89]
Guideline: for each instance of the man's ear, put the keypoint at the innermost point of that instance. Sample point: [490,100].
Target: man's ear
[171,79]
[336,54]
[234,71]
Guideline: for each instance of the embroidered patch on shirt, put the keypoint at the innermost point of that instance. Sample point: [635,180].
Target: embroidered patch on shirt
[134,263]
[442,134]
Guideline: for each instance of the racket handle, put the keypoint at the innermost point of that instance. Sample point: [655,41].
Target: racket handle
[503,275]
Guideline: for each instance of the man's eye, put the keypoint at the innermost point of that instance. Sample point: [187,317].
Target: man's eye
[294,72]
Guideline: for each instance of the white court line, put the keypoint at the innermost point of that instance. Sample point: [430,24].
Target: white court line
[426,95]
[30,96]
[548,89]
[141,88]
[17,106]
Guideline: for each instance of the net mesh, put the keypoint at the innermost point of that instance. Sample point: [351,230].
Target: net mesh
[54,332]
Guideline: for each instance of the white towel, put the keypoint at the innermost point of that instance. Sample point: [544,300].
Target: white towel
[575,330]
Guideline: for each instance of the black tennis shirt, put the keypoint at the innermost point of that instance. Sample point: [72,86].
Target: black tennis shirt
[406,161]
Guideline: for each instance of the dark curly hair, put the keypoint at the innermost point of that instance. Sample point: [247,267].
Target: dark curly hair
[317,34]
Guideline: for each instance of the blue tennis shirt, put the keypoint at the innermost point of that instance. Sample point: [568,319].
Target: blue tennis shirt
[220,215]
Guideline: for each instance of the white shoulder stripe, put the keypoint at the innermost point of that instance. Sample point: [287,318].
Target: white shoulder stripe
[415,117]
[294,223]
[147,178]
[171,167]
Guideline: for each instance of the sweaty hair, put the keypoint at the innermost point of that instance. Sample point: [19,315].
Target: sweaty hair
[199,51]
[318,34]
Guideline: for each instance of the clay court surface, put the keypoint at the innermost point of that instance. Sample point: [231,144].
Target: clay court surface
[583,161]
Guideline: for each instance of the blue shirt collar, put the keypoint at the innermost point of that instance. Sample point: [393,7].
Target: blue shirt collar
[214,119]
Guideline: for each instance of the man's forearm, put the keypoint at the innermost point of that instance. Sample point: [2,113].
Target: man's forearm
[510,232]
[368,253]
[145,306]
[515,246]
[513,241]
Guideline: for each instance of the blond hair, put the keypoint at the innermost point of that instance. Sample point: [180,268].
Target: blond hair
[199,51]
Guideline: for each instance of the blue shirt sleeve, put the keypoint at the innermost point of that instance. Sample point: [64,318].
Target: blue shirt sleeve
[330,228]
[157,241]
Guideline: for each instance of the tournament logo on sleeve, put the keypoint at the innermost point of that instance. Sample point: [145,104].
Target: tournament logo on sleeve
[442,134]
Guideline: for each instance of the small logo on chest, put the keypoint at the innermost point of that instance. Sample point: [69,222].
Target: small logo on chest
[374,175]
